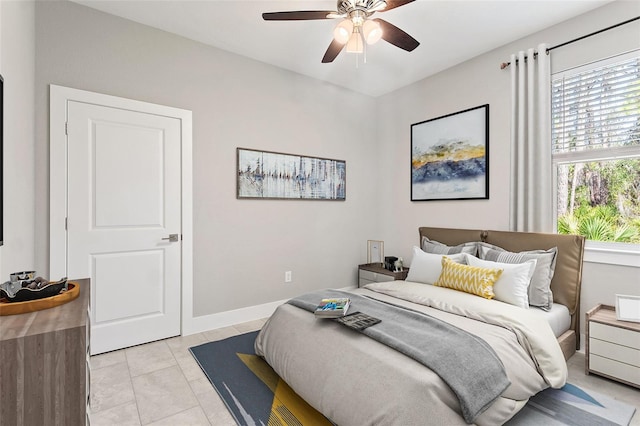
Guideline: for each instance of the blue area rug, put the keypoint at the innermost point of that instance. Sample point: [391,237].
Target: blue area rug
[572,406]
[254,394]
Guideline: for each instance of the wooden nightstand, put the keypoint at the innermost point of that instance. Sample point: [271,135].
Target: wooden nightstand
[613,347]
[374,273]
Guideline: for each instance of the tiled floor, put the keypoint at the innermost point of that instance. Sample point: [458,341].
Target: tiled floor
[161,384]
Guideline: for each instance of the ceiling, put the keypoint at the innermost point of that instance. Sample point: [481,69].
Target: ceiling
[450,32]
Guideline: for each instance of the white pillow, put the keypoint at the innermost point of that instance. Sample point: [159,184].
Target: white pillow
[513,285]
[426,267]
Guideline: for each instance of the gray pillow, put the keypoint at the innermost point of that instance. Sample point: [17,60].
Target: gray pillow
[435,247]
[540,294]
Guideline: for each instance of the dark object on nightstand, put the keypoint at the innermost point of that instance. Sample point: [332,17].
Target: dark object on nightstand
[389,262]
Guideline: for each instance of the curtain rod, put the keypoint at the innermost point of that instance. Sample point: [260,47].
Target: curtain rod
[506,64]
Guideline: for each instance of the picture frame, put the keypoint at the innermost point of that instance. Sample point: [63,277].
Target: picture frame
[450,156]
[627,308]
[278,176]
[375,251]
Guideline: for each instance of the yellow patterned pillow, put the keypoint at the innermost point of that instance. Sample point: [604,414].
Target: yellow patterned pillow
[470,279]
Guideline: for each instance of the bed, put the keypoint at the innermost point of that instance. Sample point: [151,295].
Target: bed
[505,354]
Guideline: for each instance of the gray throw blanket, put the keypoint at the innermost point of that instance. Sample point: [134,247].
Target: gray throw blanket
[466,363]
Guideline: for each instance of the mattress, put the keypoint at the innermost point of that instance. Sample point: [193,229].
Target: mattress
[558,318]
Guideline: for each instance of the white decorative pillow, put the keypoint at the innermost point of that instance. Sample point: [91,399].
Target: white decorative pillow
[513,285]
[431,246]
[540,294]
[426,267]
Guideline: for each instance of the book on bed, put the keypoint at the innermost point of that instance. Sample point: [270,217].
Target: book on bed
[332,308]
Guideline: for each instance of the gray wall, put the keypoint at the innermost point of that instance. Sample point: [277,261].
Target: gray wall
[17,53]
[241,247]
[476,82]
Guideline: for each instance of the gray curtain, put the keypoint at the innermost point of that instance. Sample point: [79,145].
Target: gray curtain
[531,171]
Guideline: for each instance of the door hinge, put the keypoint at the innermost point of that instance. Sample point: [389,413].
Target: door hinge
[66,223]
[66,128]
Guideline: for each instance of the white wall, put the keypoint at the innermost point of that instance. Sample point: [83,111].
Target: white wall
[242,248]
[17,52]
[476,82]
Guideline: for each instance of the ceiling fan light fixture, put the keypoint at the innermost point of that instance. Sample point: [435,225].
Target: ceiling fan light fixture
[372,31]
[355,44]
[342,32]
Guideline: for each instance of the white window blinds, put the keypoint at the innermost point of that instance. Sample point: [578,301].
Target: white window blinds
[597,108]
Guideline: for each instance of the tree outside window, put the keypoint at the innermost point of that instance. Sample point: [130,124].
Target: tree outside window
[596,149]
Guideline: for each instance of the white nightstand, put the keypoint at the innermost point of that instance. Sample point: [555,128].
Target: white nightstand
[613,347]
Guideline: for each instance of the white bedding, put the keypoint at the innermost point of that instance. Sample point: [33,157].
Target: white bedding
[558,318]
[365,382]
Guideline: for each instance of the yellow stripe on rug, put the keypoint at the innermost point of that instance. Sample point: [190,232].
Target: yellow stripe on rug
[287,408]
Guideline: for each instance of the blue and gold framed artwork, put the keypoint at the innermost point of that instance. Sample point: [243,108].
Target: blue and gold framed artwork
[450,156]
[274,175]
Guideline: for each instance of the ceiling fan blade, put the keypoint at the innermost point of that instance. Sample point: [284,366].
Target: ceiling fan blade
[300,15]
[332,52]
[392,4]
[396,36]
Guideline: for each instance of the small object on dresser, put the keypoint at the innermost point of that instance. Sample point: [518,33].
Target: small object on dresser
[332,308]
[358,321]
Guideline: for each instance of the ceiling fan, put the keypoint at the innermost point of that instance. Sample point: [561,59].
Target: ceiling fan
[356,27]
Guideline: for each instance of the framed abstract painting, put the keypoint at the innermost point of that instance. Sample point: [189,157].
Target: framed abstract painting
[450,156]
[274,175]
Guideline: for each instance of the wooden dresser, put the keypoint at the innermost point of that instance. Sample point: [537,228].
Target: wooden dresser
[613,346]
[44,367]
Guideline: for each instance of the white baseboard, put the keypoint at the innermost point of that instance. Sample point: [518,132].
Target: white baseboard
[228,318]
[236,316]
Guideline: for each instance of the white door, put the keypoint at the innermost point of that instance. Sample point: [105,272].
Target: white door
[123,230]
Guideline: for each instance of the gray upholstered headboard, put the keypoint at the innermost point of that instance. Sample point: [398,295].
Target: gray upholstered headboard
[567,278]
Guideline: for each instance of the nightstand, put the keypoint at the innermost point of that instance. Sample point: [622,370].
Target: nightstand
[374,273]
[613,346]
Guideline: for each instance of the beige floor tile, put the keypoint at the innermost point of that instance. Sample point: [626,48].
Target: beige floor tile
[246,327]
[190,367]
[111,386]
[180,345]
[162,393]
[107,359]
[220,333]
[151,357]
[121,415]
[191,417]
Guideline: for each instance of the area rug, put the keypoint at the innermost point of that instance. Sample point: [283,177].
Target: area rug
[254,394]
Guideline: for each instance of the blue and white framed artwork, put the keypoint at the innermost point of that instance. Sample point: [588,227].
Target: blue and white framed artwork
[274,175]
[450,156]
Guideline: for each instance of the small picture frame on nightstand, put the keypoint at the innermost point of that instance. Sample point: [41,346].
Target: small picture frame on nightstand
[627,308]
[375,251]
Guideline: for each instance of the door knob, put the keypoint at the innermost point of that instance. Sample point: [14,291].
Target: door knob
[172,238]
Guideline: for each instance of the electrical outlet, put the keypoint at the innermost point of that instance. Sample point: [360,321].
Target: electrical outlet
[287,277]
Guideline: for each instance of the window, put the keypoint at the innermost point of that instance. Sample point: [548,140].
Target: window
[596,149]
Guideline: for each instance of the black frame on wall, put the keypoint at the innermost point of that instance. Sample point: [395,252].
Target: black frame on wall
[450,156]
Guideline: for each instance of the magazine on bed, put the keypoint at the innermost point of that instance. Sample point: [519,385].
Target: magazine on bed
[332,308]
[358,321]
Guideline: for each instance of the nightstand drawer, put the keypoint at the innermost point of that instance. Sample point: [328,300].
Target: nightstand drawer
[616,335]
[616,369]
[612,351]
[374,276]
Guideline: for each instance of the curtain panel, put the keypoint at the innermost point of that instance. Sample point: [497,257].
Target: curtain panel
[531,189]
